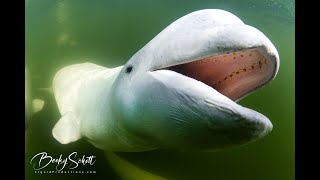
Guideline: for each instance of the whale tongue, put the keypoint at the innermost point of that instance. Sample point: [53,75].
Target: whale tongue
[232,74]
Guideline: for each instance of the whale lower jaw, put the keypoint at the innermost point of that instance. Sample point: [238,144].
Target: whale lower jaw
[234,74]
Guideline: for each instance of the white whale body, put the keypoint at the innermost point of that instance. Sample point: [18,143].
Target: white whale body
[179,91]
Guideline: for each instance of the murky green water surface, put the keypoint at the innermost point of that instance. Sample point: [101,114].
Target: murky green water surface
[109,32]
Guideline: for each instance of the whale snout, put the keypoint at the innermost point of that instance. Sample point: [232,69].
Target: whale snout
[216,125]
[238,127]
[257,124]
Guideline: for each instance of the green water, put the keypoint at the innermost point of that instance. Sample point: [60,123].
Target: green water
[108,33]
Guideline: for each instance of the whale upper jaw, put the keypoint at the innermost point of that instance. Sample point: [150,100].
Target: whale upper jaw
[216,48]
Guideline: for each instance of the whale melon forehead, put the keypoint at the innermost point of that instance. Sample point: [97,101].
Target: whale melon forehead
[210,17]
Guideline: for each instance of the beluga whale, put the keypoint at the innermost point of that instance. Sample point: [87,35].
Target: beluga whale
[179,91]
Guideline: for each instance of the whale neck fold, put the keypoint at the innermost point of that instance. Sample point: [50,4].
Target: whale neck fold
[97,91]
[83,91]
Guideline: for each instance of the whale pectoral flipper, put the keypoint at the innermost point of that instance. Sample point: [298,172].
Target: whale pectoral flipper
[67,129]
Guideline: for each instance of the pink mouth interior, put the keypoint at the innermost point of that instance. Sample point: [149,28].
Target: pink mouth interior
[233,74]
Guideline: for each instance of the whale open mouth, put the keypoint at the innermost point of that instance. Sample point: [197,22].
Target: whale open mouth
[233,74]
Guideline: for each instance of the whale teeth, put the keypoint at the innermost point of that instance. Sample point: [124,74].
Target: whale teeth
[233,74]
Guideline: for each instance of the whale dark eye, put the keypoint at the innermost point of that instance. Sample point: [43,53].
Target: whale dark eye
[129,69]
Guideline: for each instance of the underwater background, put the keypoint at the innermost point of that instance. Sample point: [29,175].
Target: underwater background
[108,33]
